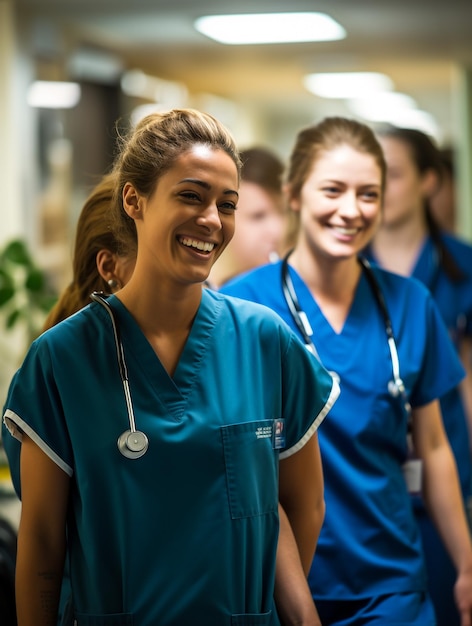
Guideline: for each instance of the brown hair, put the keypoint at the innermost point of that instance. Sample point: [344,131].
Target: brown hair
[262,167]
[426,156]
[93,234]
[313,141]
[150,150]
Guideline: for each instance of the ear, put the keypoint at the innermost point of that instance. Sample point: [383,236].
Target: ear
[132,201]
[292,202]
[430,183]
[106,264]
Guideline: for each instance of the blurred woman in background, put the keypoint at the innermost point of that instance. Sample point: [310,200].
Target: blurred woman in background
[410,242]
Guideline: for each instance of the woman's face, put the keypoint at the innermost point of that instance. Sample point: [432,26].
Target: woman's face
[405,189]
[260,225]
[340,203]
[187,222]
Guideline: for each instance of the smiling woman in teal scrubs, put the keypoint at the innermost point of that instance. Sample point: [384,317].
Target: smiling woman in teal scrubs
[368,567]
[161,426]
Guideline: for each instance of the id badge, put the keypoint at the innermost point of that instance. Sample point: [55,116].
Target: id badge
[413,474]
[413,469]
[278,434]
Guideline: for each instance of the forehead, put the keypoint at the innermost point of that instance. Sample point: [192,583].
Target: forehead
[344,160]
[205,160]
[394,147]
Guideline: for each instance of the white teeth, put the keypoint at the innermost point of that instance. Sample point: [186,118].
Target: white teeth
[204,246]
[346,231]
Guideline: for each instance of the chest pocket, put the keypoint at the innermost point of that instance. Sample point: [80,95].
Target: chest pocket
[251,468]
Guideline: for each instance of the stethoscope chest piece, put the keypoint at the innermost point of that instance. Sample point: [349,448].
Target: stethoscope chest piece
[133,444]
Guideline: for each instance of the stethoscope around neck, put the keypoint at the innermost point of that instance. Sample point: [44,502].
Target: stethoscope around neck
[131,443]
[396,386]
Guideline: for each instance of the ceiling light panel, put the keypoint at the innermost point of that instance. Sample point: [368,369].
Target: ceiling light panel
[347,84]
[267,28]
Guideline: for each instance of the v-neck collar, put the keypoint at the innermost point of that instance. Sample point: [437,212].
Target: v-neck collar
[139,354]
[313,310]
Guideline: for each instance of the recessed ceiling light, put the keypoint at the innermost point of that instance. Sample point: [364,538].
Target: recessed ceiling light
[44,94]
[264,28]
[347,84]
[379,107]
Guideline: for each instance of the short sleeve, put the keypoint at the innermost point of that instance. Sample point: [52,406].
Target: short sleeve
[34,407]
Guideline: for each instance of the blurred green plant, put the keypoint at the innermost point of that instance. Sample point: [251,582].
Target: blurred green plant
[25,296]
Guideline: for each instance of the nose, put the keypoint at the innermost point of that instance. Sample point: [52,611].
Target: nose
[210,217]
[349,206]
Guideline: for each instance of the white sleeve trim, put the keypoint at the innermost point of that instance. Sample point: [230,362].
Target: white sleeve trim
[17,427]
[335,390]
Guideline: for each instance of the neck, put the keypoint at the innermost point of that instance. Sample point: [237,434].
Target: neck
[165,309]
[396,246]
[332,282]
[330,279]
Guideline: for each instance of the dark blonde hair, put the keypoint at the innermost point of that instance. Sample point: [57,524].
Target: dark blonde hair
[92,235]
[151,149]
[313,141]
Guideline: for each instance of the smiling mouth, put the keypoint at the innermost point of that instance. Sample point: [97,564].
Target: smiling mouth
[346,231]
[196,244]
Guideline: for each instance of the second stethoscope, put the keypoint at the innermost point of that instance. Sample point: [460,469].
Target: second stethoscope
[131,443]
[396,386]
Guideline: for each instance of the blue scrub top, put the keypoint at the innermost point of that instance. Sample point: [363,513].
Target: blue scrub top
[369,544]
[454,301]
[187,533]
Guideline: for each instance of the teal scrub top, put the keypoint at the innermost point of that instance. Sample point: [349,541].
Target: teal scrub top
[187,533]
[369,543]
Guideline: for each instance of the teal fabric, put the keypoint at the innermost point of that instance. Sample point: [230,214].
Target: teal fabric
[187,533]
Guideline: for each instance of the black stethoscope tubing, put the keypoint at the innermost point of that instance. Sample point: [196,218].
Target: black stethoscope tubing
[396,387]
[132,443]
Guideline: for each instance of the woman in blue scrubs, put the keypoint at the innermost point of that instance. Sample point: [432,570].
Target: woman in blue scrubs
[410,243]
[161,427]
[383,336]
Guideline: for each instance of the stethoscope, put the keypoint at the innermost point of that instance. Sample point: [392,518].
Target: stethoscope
[396,386]
[131,443]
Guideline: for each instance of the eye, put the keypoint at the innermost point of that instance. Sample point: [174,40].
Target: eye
[190,196]
[227,207]
[330,190]
[370,195]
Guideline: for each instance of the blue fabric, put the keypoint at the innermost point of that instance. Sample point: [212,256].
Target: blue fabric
[210,466]
[369,544]
[454,301]
[401,609]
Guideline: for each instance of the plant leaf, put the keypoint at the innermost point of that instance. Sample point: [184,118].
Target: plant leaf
[16,252]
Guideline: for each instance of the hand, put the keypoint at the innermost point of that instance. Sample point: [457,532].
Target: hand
[463,596]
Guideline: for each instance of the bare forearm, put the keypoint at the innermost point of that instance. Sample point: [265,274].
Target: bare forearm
[306,527]
[292,594]
[444,501]
[38,583]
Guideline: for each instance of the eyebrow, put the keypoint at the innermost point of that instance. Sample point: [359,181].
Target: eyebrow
[205,185]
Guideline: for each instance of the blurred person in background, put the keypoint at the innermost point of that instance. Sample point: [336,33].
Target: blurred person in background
[99,263]
[260,219]
[410,242]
